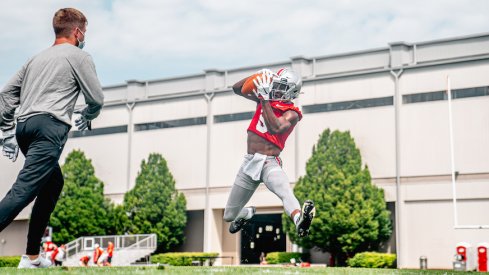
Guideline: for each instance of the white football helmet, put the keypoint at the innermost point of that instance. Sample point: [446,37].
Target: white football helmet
[286,85]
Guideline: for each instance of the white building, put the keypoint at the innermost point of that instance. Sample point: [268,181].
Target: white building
[391,99]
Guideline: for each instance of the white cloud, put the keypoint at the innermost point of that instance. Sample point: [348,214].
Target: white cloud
[149,39]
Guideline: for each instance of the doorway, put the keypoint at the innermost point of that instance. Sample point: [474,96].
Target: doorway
[262,234]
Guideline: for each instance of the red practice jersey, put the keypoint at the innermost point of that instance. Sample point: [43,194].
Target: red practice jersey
[53,256]
[97,253]
[85,259]
[110,249]
[259,127]
[49,246]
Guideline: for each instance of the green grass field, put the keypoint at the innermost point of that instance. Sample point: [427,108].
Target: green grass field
[223,270]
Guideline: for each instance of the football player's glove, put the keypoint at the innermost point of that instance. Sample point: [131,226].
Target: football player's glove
[263,86]
[10,147]
[82,122]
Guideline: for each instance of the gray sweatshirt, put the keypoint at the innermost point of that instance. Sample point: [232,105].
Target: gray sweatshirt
[49,83]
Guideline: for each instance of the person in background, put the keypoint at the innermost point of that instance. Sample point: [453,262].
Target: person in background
[97,253]
[102,260]
[84,260]
[59,255]
[263,259]
[110,252]
[49,247]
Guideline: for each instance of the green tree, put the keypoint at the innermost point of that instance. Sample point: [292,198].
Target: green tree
[155,206]
[82,209]
[351,213]
[119,220]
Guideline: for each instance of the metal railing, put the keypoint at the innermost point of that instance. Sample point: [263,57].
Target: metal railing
[120,242]
[149,242]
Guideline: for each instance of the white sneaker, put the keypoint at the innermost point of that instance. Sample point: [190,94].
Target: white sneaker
[40,262]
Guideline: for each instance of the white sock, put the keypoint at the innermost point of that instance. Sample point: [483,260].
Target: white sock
[245,213]
[250,213]
[297,217]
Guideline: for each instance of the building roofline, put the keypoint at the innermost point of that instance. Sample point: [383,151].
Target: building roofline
[350,53]
[331,56]
[455,38]
[406,67]
[309,79]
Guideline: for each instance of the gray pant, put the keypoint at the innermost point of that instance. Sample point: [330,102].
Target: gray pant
[244,186]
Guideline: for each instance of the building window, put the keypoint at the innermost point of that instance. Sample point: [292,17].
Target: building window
[349,105]
[442,95]
[233,117]
[423,97]
[170,124]
[99,131]
[470,92]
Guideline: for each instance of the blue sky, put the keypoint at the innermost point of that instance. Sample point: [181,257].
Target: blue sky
[152,39]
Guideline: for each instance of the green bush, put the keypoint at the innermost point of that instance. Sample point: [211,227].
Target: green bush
[283,257]
[182,258]
[9,261]
[372,260]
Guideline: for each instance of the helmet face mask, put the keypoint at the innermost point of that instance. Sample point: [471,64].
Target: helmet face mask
[279,89]
[286,85]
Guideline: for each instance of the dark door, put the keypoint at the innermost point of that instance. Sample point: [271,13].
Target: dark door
[262,234]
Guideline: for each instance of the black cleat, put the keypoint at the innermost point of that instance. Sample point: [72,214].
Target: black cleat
[307,214]
[238,224]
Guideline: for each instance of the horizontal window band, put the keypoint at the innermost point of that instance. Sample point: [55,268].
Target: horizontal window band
[442,95]
[313,108]
[233,117]
[349,105]
[170,124]
[99,131]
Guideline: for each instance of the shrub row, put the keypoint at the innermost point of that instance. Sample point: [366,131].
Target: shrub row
[284,257]
[9,261]
[372,260]
[182,258]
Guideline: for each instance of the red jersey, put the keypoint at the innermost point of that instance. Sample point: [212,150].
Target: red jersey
[259,127]
[53,256]
[97,253]
[49,246]
[110,249]
[85,259]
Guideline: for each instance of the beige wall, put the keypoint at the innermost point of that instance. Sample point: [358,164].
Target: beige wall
[13,239]
[372,129]
[425,127]
[428,220]
[347,88]
[183,148]
[101,150]
[193,232]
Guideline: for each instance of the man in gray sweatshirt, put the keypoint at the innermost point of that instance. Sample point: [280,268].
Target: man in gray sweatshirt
[36,107]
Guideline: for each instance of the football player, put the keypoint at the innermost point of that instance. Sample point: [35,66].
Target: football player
[84,260]
[274,119]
